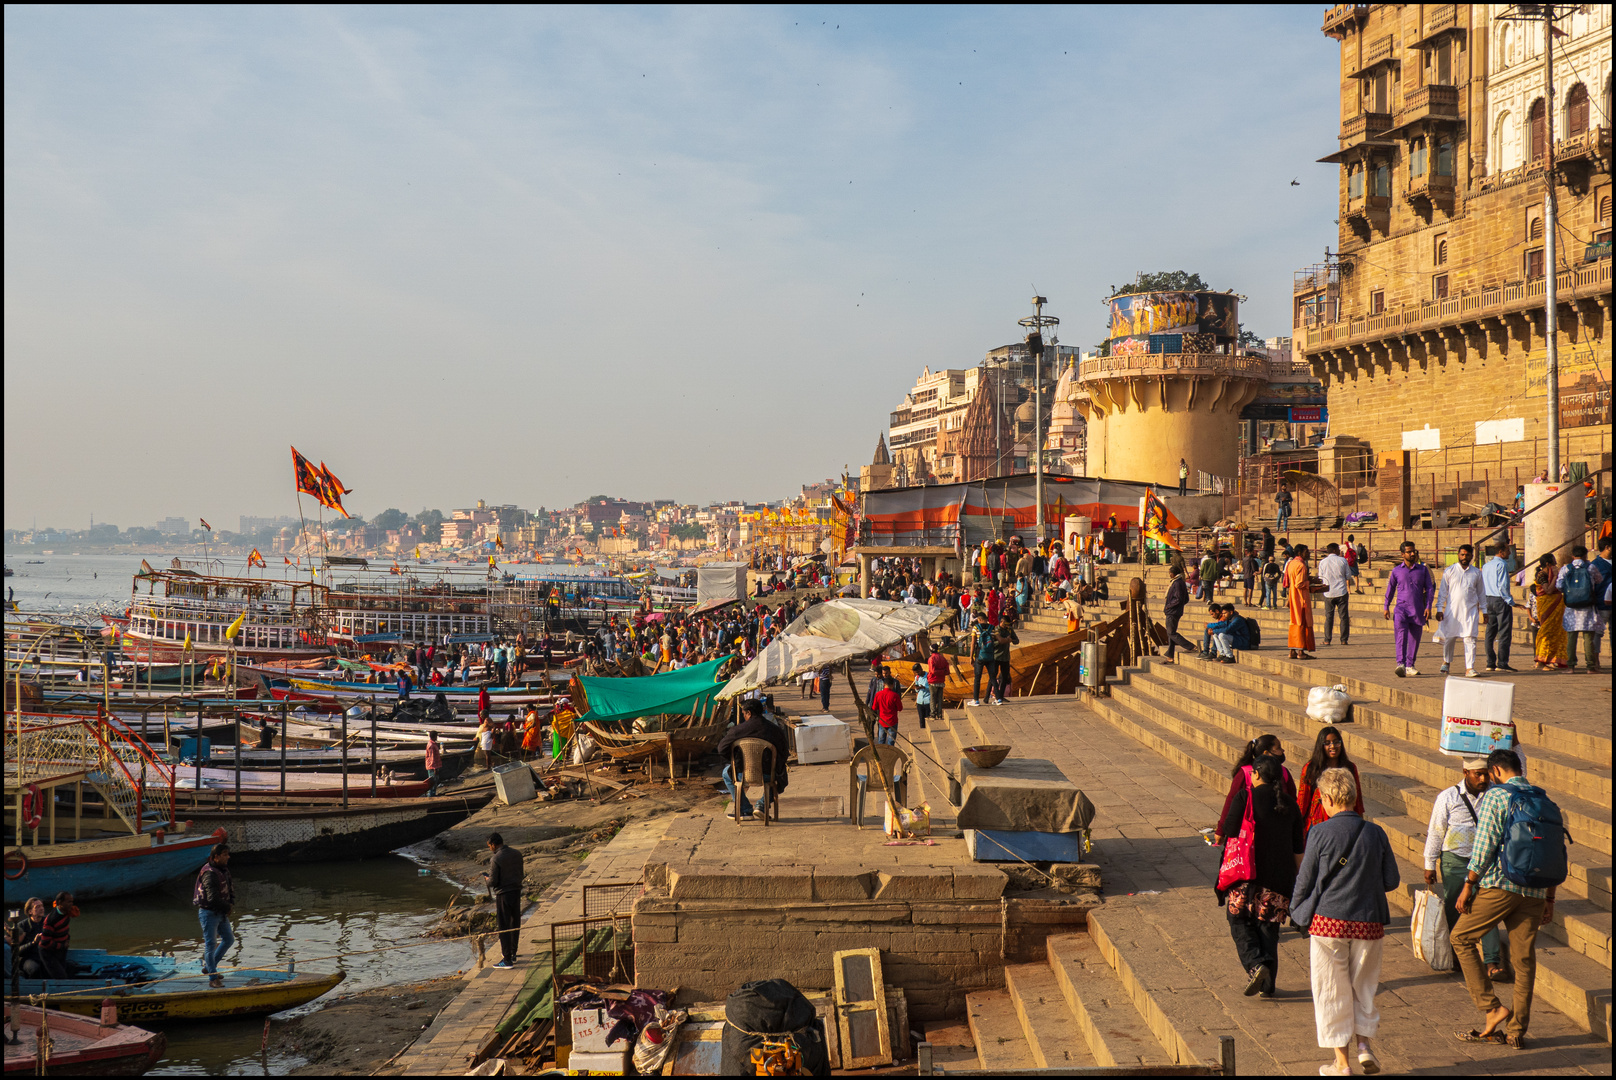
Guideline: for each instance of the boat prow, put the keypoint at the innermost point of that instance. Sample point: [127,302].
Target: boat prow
[79,1046]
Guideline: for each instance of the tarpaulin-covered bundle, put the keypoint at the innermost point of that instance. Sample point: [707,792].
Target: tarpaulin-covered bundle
[687,690]
[951,514]
[831,632]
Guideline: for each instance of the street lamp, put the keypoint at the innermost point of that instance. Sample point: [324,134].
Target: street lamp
[1035,325]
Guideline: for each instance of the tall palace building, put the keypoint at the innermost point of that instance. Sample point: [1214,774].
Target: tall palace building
[1427,326]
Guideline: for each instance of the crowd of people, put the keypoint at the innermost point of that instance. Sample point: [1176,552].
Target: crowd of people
[1303,855]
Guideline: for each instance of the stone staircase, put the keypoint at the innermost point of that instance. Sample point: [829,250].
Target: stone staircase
[1199,714]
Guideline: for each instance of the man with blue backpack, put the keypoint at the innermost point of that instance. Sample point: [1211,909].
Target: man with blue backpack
[1517,860]
[1583,588]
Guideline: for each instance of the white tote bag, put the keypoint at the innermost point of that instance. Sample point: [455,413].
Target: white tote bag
[1429,929]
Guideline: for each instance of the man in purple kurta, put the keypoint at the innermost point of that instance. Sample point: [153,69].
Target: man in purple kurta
[1410,582]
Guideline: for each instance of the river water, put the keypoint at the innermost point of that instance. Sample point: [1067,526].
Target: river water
[323,915]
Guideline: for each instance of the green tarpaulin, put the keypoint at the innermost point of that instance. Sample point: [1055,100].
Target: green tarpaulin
[683,691]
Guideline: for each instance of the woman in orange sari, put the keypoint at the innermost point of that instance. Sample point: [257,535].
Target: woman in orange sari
[1549,611]
[1301,604]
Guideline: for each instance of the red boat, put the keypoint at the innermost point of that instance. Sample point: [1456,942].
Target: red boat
[79,1045]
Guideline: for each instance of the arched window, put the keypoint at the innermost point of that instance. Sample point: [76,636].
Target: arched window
[1505,153]
[1577,110]
[1440,254]
[1506,34]
[1534,230]
[1539,121]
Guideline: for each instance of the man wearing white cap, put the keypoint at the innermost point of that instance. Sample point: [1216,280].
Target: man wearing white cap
[1448,840]
[1460,600]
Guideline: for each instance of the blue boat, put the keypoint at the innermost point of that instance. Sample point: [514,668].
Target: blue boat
[153,988]
[97,869]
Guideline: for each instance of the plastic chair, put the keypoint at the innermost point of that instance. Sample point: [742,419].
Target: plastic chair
[896,763]
[752,763]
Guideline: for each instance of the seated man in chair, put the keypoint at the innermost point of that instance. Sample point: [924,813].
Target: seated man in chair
[754,727]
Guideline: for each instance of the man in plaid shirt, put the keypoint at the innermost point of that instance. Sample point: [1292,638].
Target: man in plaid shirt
[1488,898]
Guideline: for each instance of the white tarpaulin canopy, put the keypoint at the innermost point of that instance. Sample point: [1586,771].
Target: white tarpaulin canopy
[831,632]
[721,581]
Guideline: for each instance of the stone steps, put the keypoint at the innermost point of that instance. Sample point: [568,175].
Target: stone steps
[1053,1034]
[1189,707]
[1116,1034]
[1568,977]
[996,1027]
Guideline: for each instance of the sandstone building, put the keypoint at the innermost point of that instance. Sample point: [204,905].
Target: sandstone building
[1428,325]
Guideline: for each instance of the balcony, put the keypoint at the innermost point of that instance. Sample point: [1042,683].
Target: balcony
[1430,103]
[1372,212]
[1381,50]
[1433,191]
[1577,158]
[1365,126]
[1440,17]
[1589,281]
[1341,18]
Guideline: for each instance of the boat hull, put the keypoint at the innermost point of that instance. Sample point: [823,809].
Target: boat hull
[188,997]
[365,831]
[80,1046]
[97,870]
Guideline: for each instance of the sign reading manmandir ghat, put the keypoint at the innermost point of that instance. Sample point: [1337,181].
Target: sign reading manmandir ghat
[1584,385]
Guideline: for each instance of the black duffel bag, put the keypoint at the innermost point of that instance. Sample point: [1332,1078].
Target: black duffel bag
[771,1007]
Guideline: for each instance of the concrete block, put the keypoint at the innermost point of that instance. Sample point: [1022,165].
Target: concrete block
[914,884]
[707,881]
[978,883]
[655,933]
[833,884]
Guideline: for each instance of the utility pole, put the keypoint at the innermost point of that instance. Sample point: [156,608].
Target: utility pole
[1035,326]
[1529,13]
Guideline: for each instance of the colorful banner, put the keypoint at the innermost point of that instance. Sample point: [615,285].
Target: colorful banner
[956,515]
[1138,316]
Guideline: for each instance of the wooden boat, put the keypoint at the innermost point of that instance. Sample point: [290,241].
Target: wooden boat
[79,1046]
[319,830]
[147,989]
[96,869]
[686,742]
[1045,667]
[304,688]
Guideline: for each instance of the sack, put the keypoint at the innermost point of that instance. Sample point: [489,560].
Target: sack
[656,1040]
[1579,587]
[1533,851]
[1429,929]
[1239,852]
[1253,633]
[1328,704]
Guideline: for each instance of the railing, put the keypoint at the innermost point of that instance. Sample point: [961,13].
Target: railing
[1471,303]
[1378,50]
[1364,125]
[1439,17]
[1342,14]
[1150,364]
[1315,279]
[1430,100]
[51,745]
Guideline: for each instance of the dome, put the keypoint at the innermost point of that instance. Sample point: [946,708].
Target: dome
[1025,412]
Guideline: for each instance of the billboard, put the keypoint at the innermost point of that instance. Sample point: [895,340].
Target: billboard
[1135,317]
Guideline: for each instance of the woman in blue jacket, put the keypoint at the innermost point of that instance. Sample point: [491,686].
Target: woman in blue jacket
[1340,900]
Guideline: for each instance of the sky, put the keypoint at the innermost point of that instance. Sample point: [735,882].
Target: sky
[530,255]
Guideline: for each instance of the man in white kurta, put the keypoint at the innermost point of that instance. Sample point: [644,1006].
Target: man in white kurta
[1461,599]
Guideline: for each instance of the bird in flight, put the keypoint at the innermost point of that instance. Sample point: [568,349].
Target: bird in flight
[1296,183]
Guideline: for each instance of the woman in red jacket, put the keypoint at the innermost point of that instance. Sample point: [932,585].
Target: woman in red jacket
[1329,752]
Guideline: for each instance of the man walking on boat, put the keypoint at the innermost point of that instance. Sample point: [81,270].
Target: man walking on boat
[214,897]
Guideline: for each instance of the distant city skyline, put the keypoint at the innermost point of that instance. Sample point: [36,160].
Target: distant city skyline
[540,253]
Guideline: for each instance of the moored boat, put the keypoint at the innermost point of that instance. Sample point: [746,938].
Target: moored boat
[77,1045]
[96,869]
[151,988]
[308,830]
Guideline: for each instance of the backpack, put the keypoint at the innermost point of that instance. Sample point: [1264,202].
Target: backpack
[1533,850]
[1579,587]
[1363,555]
[1253,632]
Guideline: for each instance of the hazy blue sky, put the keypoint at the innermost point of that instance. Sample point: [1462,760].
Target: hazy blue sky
[529,255]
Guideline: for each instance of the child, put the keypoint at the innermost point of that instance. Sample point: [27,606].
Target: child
[1248,573]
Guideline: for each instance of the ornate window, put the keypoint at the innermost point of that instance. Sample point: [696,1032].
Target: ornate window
[1416,158]
[1444,157]
[1577,110]
[1539,120]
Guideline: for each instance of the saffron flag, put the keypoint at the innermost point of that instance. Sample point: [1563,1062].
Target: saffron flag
[333,490]
[417,551]
[499,542]
[1154,526]
[307,477]
[395,569]
[490,561]
[256,558]
[206,526]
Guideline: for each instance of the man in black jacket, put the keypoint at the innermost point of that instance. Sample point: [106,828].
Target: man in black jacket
[1178,595]
[215,896]
[754,727]
[504,878]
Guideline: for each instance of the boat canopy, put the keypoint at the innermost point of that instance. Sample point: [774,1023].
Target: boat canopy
[687,690]
[829,633]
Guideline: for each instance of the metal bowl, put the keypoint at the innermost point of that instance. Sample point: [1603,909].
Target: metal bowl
[985,757]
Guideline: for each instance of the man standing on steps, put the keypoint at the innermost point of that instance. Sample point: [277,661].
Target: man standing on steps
[1459,603]
[1410,584]
[1283,501]
[1500,608]
[1336,574]
[1449,839]
[1488,897]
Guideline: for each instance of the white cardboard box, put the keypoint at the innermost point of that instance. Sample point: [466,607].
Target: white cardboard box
[1477,717]
[589,1028]
[822,739]
[608,1063]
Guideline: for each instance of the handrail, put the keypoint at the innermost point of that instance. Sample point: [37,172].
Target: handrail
[1572,485]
